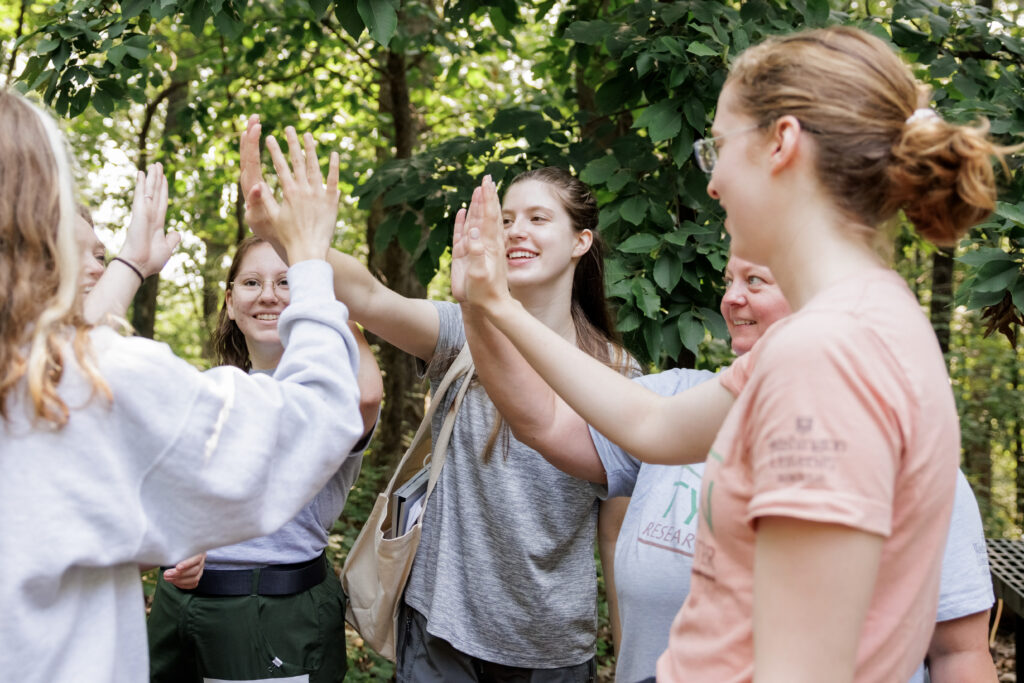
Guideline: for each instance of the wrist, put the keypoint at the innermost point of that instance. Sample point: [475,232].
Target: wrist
[131,264]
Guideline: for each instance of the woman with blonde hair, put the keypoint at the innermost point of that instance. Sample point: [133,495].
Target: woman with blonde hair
[114,452]
[828,487]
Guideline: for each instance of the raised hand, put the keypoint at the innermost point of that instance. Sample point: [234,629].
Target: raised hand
[186,574]
[302,224]
[146,245]
[481,266]
[252,175]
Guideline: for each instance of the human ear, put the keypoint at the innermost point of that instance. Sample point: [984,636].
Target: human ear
[229,304]
[786,142]
[584,238]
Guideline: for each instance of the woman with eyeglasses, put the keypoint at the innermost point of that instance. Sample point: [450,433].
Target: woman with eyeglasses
[113,451]
[271,606]
[827,488]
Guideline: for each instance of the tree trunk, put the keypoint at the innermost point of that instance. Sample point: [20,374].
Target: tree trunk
[403,390]
[143,317]
[941,310]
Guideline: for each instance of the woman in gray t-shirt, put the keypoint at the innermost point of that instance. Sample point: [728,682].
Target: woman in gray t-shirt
[504,578]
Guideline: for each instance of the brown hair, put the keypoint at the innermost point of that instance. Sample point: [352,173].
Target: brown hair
[39,265]
[591,315]
[851,91]
[228,342]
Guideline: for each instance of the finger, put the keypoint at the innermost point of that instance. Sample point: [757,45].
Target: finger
[312,163]
[171,239]
[332,173]
[284,174]
[152,173]
[262,203]
[161,204]
[296,155]
[249,155]
[140,193]
[475,212]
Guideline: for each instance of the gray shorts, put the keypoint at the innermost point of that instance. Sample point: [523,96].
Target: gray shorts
[423,658]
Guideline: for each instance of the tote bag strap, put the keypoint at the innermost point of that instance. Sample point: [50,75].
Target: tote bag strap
[440,450]
[420,444]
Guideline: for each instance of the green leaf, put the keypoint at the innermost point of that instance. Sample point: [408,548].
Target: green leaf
[588,32]
[817,12]
[667,271]
[102,102]
[133,8]
[647,300]
[319,7]
[695,114]
[347,14]
[982,256]
[992,279]
[599,170]
[701,50]
[380,18]
[628,319]
[229,26]
[640,243]
[691,331]
[1010,211]
[661,119]
[634,209]
[48,45]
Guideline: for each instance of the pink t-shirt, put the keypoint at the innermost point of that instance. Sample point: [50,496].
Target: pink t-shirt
[847,418]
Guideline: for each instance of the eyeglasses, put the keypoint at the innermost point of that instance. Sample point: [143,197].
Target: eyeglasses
[706,149]
[252,287]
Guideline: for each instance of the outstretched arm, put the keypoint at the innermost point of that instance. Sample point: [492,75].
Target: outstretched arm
[410,324]
[371,385]
[536,415]
[668,430]
[146,248]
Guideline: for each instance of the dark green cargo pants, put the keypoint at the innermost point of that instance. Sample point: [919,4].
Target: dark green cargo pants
[251,637]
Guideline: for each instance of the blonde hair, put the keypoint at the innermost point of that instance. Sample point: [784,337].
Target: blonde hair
[854,95]
[39,262]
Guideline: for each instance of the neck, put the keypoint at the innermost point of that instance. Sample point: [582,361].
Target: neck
[551,305]
[264,358]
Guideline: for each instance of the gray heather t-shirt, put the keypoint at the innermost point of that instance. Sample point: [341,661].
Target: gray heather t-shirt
[505,566]
[654,549]
[304,537]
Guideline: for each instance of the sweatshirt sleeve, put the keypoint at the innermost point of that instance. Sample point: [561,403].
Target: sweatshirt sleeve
[242,454]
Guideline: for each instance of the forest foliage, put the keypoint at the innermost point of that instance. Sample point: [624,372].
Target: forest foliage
[422,97]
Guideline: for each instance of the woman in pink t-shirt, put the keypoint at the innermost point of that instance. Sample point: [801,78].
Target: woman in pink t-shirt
[828,486]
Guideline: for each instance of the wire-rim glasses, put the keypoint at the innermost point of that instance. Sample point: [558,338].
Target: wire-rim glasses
[706,149]
[252,287]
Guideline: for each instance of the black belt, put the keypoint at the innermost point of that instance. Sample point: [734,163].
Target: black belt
[278,579]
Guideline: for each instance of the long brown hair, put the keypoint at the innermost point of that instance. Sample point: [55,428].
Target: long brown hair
[591,315]
[39,263]
[227,341]
[875,156]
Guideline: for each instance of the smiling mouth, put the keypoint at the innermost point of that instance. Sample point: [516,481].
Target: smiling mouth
[267,316]
[520,255]
[739,323]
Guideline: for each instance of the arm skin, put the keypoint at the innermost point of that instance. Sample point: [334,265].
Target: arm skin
[146,247]
[959,651]
[663,430]
[410,324]
[371,385]
[609,522]
[801,567]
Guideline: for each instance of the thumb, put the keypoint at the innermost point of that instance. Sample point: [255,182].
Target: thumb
[172,239]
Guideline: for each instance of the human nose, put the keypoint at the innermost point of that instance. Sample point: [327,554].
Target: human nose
[515,229]
[712,192]
[268,290]
[734,295]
